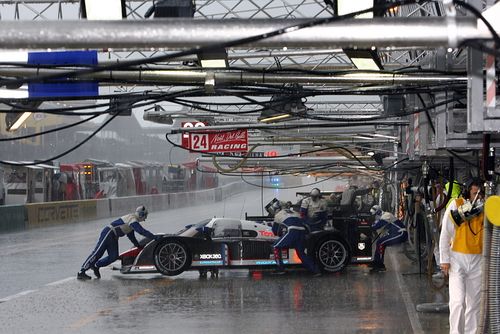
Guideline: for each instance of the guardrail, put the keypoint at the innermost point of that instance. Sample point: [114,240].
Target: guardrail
[21,217]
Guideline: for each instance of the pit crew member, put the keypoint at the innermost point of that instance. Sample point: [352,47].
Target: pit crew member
[108,241]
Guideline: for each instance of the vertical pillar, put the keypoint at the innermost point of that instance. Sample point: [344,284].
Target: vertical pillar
[416,133]
[491,89]
[475,109]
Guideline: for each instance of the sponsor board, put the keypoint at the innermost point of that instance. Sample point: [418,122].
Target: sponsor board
[218,142]
[185,141]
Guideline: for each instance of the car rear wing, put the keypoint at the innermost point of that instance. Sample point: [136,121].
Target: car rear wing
[323,193]
[259,218]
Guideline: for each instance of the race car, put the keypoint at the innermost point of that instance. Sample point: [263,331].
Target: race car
[224,243]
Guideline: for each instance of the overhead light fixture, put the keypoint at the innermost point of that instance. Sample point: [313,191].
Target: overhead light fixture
[284,110]
[285,106]
[18,121]
[103,9]
[362,137]
[274,118]
[350,6]
[213,58]
[15,119]
[169,8]
[364,59]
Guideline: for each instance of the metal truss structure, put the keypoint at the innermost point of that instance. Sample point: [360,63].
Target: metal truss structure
[419,138]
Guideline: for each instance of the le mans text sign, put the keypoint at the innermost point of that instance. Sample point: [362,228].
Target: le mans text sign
[218,142]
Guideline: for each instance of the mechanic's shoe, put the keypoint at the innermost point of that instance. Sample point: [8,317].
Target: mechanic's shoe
[83,276]
[96,272]
[377,268]
[438,275]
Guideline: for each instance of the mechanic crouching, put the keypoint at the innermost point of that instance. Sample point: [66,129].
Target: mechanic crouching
[391,231]
[313,210]
[108,241]
[292,231]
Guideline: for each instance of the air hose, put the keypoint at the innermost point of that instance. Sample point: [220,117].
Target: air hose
[490,290]
[238,165]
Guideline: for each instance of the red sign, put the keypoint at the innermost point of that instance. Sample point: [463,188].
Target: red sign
[185,136]
[217,142]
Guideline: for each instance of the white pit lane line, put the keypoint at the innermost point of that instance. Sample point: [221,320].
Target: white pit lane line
[410,307]
[61,281]
[17,295]
[27,292]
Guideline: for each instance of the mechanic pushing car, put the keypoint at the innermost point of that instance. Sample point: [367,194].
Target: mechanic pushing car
[313,210]
[108,241]
[292,231]
[391,231]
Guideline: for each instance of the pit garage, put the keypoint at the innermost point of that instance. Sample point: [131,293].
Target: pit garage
[219,116]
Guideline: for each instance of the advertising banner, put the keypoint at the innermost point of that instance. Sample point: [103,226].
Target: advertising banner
[218,142]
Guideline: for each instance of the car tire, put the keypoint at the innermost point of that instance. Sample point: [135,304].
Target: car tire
[171,257]
[332,254]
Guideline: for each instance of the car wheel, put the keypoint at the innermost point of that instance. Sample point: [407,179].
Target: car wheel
[332,254]
[172,257]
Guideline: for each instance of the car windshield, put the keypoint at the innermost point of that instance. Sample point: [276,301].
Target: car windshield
[193,227]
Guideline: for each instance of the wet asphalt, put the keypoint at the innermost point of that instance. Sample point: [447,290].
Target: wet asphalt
[39,292]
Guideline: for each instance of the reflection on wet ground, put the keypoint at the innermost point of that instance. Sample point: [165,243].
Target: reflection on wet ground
[238,301]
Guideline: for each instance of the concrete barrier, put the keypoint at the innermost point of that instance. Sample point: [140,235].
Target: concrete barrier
[45,214]
[102,208]
[12,218]
[160,202]
[124,205]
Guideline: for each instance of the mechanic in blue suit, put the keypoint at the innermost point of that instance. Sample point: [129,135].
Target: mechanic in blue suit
[391,232]
[108,241]
[292,231]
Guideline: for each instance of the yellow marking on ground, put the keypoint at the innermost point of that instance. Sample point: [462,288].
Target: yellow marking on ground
[104,312]
[136,295]
[91,318]
[163,282]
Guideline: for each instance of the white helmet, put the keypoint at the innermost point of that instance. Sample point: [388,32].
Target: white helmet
[376,210]
[141,212]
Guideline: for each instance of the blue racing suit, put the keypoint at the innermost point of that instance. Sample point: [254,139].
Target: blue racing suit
[291,230]
[108,240]
[392,232]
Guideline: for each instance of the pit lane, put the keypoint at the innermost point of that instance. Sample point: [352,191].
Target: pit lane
[40,294]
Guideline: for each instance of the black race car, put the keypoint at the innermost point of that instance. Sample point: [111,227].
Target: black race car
[223,243]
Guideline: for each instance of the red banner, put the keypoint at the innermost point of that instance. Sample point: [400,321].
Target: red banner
[185,136]
[217,142]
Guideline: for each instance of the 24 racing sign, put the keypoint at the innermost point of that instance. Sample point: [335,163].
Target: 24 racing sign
[219,142]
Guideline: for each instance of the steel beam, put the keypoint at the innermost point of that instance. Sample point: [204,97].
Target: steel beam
[190,33]
[199,77]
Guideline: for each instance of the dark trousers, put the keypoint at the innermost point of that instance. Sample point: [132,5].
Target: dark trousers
[107,242]
[386,241]
[294,239]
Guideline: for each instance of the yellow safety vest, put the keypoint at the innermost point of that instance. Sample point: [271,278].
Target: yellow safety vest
[467,241]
